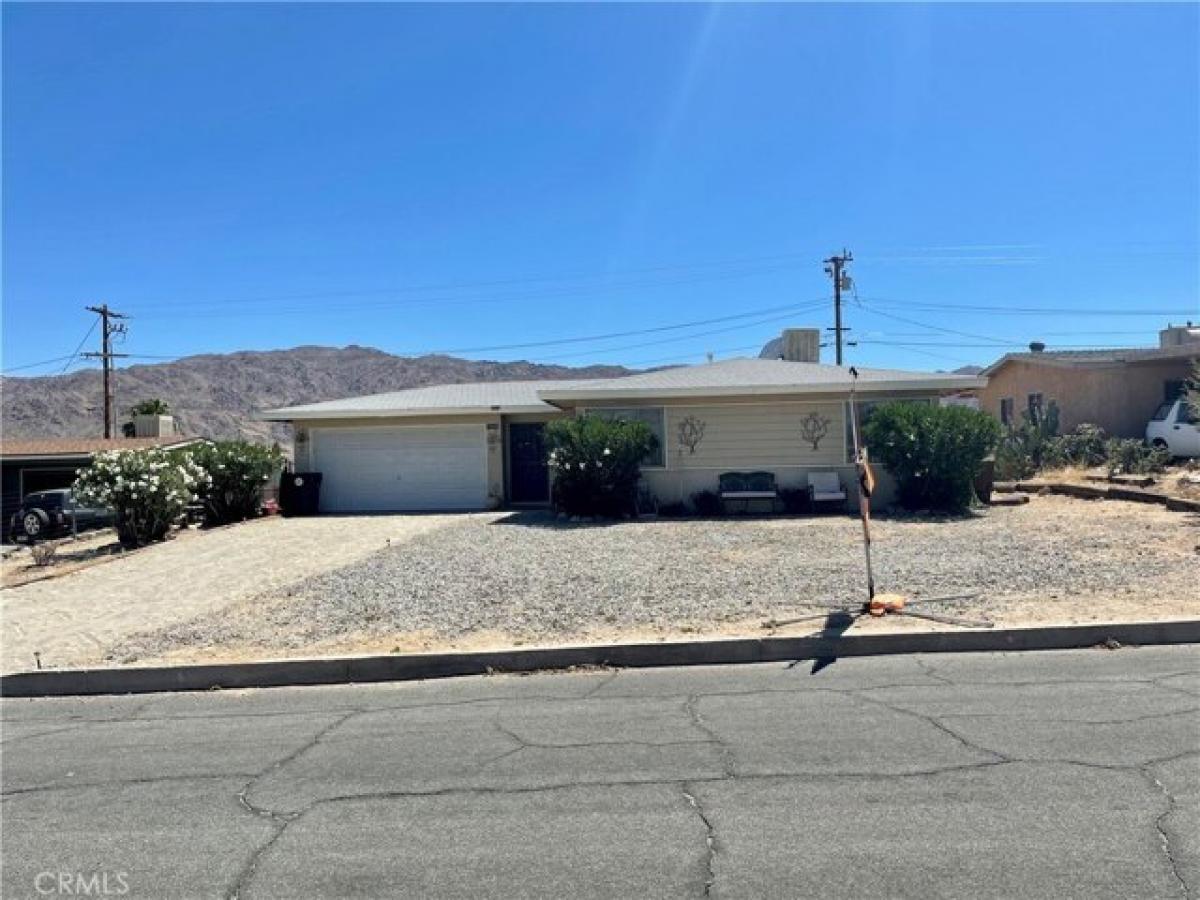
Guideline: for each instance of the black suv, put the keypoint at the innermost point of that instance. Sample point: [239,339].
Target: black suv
[50,513]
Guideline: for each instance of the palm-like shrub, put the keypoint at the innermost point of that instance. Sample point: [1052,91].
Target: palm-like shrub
[933,452]
[148,489]
[597,463]
[237,472]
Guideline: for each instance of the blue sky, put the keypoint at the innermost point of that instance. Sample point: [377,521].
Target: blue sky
[462,177]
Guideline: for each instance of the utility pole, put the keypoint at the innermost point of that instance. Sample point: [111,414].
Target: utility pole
[107,329]
[835,267]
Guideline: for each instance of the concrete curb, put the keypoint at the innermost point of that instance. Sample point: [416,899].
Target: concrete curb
[359,669]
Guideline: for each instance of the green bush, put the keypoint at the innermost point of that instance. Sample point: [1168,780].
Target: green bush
[707,503]
[237,472]
[148,489]
[597,463]
[1129,456]
[152,407]
[1085,446]
[1024,448]
[933,452]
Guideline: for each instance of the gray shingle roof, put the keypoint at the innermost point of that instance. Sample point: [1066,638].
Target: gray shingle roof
[729,377]
[1099,357]
[757,376]
[442,399]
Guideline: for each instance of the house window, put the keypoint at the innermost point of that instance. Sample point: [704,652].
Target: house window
[1035,407]
[653,416]
[1006,411]
[865,408]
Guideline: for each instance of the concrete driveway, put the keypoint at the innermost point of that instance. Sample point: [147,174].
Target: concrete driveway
[1066,774]
[74,619]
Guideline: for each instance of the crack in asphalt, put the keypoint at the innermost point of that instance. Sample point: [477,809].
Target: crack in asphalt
[728,756]
[280,820]
[710,837]
[117,782]
[1160,825]
[938,724]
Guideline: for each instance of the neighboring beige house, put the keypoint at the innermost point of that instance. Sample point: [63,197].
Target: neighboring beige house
[479,446]
[1117,389]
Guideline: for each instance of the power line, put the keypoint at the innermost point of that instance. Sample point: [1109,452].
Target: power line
[954,331]
[1028,310]
[723,272]
[686,337]
[67,364]
[790,309]
[34,365]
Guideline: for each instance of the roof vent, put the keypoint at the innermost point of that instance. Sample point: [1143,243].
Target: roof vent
[1036,347]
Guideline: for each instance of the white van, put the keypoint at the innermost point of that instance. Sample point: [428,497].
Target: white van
[1174,427]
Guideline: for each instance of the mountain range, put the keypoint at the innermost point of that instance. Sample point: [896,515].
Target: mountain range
[217,395]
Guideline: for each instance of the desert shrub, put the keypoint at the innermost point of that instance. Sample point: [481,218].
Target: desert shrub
[934,452]
[43,554]
[597,464]
[1129,456]
[1025,448]
[707,503]
[148,490]
[672,510]
[237,472]
[1085,446]
[794,499]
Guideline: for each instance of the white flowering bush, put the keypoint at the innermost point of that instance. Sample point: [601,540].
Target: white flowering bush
[148,489]
[237,472]
[597,463]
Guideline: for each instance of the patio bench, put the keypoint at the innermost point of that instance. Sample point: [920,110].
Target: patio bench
[747,488]
[825,487]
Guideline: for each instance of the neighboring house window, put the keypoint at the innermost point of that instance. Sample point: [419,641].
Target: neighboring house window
[1173,389]
[653,416]
[1035,407]
[1006,411]
[865,408]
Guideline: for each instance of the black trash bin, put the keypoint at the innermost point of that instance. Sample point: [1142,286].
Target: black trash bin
[300,493]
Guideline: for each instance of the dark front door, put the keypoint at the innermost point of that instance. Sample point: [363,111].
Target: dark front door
[529,478]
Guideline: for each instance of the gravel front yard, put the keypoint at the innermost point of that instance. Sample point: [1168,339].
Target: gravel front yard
[528,578]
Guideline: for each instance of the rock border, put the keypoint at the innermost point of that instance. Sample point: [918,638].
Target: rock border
[1100,492]
[407,667]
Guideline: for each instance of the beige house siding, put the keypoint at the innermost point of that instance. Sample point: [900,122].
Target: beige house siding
[756,436]
[1120,397]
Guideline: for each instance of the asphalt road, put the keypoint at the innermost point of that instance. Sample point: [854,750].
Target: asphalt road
[1065,774]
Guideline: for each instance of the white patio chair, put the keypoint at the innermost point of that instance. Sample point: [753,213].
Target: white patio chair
[825,487]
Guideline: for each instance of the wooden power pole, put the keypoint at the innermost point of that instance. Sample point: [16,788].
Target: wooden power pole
[835,267]
[106,356]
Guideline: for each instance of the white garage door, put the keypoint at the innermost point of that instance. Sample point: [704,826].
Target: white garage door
[413,467]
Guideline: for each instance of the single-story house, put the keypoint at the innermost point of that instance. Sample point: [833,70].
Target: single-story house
[1118,389]
[42,464]
[479,446]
